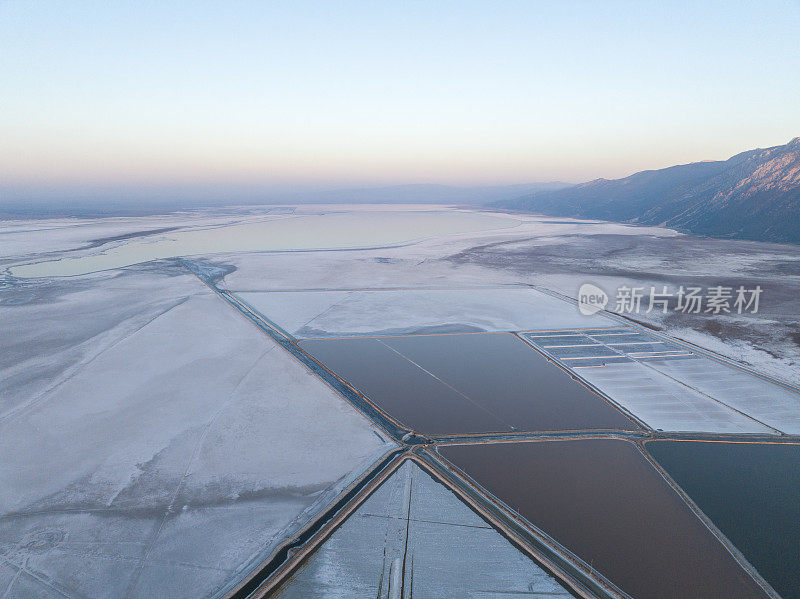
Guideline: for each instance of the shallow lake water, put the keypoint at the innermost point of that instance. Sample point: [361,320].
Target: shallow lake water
[339,230]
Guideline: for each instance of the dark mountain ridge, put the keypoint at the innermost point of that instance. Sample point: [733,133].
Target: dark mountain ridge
[752,195]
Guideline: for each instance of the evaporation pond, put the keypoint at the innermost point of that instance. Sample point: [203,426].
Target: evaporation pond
[416,527]
[605,502]
[466,383]
[751,491]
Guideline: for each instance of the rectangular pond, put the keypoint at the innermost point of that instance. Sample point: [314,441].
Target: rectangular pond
[414,538]
[466,383]
[605,502]
[670,387]
[751,491]
[382,312]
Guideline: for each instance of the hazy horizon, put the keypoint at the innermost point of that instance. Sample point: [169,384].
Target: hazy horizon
[259,100]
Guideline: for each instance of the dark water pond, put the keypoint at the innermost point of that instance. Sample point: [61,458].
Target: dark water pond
[603,500]
[751,491]
[450,384]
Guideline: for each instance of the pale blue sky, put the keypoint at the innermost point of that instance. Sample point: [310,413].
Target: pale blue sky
[129,93]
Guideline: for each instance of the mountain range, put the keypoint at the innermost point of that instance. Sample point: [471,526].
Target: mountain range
[39,202]
[753,195]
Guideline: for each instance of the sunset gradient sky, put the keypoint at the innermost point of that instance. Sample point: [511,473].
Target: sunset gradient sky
[302,93]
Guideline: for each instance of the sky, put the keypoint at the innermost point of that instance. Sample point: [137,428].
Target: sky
[138,95]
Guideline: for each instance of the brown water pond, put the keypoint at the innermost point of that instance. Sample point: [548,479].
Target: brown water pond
[606,503]
[466,383]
